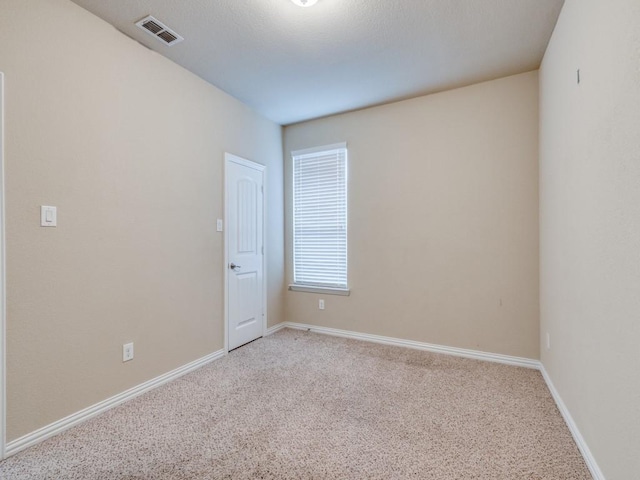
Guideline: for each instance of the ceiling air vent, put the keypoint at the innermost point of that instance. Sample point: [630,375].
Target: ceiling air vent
[159,30]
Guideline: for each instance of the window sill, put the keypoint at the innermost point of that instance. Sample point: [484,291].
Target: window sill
[345,292]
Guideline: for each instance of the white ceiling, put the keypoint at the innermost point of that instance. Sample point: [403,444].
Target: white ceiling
[292,64]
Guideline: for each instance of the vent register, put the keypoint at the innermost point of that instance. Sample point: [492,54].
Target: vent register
[159,30]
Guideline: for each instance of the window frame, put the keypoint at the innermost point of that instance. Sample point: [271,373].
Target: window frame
[310,287]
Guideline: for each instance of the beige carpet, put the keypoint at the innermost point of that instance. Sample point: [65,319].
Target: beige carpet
[298,405]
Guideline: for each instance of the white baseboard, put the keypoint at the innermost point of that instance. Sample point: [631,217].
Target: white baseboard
[596,473]
[429,347]
[74,419]
[275,328]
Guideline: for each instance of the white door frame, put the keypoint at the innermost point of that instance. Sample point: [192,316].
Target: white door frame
[3,296]
[230,158]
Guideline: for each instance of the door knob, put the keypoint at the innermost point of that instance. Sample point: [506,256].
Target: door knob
[233,266]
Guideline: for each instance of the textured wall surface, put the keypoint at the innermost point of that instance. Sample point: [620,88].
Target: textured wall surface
[443,218]
[590,225]
[130,149]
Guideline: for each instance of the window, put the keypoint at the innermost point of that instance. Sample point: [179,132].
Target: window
[320,219]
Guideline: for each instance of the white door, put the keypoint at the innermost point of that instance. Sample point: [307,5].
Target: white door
[244,246]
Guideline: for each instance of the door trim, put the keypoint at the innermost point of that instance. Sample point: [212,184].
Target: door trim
[231,158]
[3,295]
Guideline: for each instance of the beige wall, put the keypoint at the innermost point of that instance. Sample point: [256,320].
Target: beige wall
[443,218]
[590,225]
[130,148]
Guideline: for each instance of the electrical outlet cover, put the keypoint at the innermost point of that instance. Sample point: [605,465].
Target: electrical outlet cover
[127,352]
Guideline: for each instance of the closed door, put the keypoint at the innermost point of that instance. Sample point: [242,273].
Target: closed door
[245,259]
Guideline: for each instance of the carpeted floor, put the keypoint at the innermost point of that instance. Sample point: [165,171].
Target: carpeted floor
[298,405]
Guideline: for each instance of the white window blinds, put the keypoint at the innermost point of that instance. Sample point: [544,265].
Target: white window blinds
[320,216]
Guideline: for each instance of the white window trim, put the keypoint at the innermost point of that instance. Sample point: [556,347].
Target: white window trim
[323,148]
[301,287]
[345,292]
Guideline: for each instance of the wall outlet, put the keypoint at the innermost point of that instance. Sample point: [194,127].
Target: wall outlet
[548,341]
[321,304]
[127,352]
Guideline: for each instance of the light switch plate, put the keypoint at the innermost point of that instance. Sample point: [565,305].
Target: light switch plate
[48,216]
[219,225]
